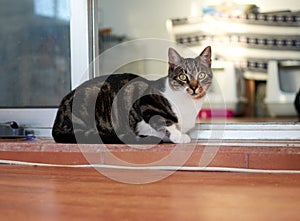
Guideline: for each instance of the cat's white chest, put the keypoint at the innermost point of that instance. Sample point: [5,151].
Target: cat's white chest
[185,107]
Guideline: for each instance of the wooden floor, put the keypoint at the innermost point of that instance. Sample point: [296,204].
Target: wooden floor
[36,193]
[40,193]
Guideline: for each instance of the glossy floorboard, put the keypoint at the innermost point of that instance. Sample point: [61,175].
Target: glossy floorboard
[35,193]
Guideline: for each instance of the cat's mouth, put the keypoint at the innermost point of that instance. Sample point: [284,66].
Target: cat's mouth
[199,95]
[196,93]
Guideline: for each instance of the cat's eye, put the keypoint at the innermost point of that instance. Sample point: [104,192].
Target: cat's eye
[201,75]
[182,77]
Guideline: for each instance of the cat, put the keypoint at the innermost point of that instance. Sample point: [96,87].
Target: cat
[127,108]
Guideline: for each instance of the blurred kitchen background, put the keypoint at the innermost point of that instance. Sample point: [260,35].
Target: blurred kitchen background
[256,47]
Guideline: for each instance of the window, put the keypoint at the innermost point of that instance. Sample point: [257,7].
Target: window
[53,9]
[44,53]
[36,70]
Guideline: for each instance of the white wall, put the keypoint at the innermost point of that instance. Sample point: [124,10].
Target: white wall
[142,18]
[146,18]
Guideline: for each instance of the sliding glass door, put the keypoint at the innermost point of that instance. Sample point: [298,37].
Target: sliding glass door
[44,51]
[35,53]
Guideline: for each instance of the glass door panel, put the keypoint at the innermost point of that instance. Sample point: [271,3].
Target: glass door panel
[35,68]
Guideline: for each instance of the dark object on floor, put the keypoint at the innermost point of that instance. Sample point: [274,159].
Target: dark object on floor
[12,130]
[297,104]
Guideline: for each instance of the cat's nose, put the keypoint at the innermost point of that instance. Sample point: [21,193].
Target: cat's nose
[194,88]
[194,84]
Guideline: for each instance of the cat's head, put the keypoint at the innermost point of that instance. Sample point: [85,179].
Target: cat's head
[190,75]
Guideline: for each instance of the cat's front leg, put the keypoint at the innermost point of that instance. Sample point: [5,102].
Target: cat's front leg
[176,136]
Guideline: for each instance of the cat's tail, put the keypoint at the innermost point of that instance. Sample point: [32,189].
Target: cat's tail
[63,137]
[83,137]
[93,137]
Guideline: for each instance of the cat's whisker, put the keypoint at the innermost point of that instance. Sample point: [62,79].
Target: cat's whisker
[199,95]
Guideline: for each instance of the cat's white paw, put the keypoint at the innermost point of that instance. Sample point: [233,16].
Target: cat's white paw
[176,136]
[180,138]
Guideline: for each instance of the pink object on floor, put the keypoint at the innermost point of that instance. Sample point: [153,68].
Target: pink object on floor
[209,113]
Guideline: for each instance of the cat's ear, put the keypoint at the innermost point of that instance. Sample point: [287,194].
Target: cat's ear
[174,57]
[206,54]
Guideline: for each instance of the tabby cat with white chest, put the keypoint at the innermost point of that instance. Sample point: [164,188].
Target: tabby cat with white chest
[126,108]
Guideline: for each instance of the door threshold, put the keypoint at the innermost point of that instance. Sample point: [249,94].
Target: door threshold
[272,131]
